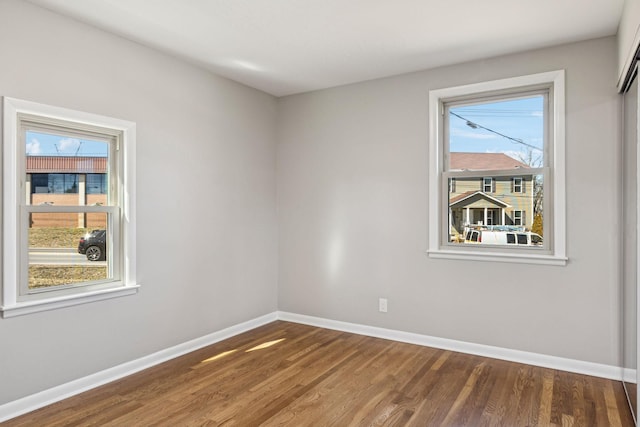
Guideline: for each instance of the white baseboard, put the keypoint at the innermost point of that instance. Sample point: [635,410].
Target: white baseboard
[629,375]
[55,394]
[35,401]
[536,359]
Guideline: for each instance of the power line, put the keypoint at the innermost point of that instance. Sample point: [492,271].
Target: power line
[474,125]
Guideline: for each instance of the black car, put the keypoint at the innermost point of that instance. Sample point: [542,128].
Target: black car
[94,245]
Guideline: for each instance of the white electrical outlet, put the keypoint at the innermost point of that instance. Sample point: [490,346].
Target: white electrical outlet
[382,305]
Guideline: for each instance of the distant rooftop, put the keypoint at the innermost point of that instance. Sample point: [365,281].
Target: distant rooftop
[484,161]
[66,164]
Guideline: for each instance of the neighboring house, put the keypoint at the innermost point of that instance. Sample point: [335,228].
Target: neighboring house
[487,199]
[66,181]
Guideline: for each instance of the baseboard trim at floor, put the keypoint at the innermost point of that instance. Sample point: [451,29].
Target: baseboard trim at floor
[72,388]
[536,359]
[629,375]
[38,400]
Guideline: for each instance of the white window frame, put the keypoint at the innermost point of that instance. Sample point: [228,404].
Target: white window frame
[517,184]
[555,206]
[485,185]
[518,217]
[15,211]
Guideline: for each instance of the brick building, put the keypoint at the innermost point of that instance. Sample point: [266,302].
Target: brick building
[67,181]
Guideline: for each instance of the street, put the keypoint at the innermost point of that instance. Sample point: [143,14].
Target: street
[61,257]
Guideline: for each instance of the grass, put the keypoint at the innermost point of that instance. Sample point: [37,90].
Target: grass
[42,276]
[55,237]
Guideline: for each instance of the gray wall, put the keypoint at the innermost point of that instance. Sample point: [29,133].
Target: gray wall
[206,198]
[352,205]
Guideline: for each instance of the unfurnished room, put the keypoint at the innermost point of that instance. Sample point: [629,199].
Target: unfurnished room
[319,213]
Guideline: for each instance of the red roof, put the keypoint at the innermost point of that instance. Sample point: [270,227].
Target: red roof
[483,161]
[66,164]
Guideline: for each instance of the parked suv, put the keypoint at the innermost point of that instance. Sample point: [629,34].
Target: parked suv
[94,245]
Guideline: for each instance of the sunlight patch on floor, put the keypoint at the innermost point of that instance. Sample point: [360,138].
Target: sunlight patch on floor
[219,356]
[265,345]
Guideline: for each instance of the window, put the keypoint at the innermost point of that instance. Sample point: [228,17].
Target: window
[487,185]
[490,219]
[68,208]
[509,135]
[517,185]
[96,183]
[518,218]
[58,183]
[452,185]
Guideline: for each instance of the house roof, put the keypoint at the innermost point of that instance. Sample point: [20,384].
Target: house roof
[484,161]
[457,200]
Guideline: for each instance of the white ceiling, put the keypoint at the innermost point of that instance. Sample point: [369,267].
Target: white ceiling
[289,46]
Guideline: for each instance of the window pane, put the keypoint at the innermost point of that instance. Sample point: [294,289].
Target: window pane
[510,133]
[66,171]
[96,183]
[498,136]
[67,248]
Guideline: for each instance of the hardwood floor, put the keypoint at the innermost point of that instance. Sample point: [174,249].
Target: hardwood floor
[286,374]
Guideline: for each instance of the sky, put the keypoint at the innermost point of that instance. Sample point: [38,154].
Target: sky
[519,119]
[44,144]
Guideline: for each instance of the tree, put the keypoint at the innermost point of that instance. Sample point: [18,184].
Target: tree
[534,160]
[537,227]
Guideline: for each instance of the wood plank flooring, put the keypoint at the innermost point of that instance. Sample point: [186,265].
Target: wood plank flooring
[286,374]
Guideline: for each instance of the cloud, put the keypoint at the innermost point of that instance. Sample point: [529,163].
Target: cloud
[33,147]
[68,145]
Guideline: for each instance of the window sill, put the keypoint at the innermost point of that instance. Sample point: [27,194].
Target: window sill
[498,257]
[35,306]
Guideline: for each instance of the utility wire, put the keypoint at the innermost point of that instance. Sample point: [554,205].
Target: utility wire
[474,125]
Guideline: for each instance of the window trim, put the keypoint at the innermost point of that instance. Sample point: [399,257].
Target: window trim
[11,303]
[491,184]
[518,186]
[557,253]
[521,217]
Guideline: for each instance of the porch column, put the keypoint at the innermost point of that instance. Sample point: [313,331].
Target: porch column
[486,216]
[503,216]
[468,222]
